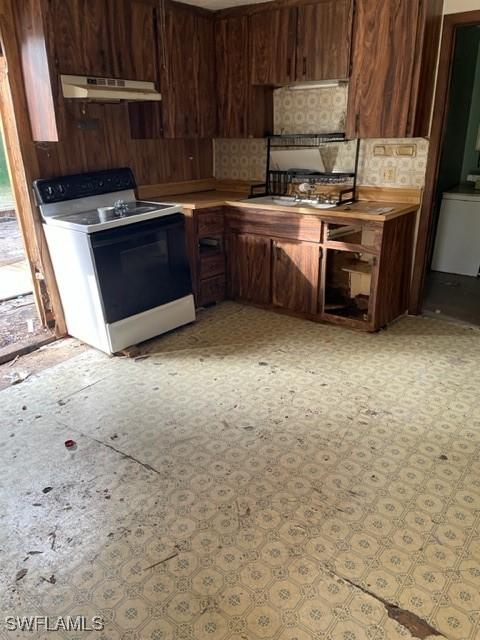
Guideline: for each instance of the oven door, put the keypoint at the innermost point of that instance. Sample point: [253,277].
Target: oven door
[141,266]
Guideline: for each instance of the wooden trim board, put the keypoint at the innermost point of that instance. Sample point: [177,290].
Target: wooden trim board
[390,194]
[147,191]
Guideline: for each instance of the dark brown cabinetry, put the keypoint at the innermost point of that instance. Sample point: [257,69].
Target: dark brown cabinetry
[78,37]
[248,274]
[308,42]
[393,72]
[188,78]
[295,274]
[101,38]
[128,20]
[343,271]
[206,251]
[243,109]
[272,38]
[324,31]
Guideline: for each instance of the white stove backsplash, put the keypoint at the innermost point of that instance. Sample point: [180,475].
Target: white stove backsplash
[320,111]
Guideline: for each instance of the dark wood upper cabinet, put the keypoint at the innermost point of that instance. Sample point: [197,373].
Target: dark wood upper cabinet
[77,34]
[188,74]
[272,46]
[205,76]
[295,275]
[243,109]
[132,22]
[391,85]
[324,32]
[103,38]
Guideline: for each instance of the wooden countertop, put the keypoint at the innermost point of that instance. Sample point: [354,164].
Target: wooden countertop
[204,199]
[361,210]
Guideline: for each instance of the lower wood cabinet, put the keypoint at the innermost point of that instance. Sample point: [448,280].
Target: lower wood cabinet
[206,253]
[248,267]
[356,273]
[211,290]
[295,275]
[341,270]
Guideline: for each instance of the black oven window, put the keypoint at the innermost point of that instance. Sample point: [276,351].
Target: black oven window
[141,266]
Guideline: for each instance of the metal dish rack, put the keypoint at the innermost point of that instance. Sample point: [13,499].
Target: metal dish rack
[279,182]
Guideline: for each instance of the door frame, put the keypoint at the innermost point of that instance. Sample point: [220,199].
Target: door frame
[23,169]
[426,225]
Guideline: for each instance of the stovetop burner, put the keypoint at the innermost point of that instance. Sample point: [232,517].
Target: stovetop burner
[107,214]
[96,201]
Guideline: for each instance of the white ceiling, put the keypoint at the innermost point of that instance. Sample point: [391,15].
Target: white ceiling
[221,4]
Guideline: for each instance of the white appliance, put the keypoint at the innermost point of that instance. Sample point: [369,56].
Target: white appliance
[457,243]
[120,264]
[108,89]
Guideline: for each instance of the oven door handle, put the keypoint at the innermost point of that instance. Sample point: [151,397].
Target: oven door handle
[123,233]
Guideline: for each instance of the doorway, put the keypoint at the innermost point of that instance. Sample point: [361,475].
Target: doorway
[22,162]
[446,280]
[21,328]
[452,286]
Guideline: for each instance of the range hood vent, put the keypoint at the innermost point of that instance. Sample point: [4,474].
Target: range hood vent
[108,89]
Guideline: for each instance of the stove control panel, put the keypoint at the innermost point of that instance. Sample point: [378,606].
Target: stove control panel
[83,185]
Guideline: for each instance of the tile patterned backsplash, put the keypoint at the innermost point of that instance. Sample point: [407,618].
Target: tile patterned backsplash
[319,111]
[310,110]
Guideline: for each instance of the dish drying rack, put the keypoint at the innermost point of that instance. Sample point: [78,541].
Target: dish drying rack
[282,183]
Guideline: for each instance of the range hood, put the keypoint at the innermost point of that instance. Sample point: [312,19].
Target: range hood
[317,84]
[108,89]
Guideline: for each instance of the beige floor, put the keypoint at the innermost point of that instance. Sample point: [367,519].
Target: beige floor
[15,280]
[256,477]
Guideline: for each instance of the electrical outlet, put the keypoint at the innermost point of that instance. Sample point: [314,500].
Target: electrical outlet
[409,150]
[383,150]
[389,174]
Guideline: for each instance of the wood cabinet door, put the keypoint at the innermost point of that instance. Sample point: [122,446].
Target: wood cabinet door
[188,89]
[233,79]
[242,109]
[133,37]
[324,33]
[295,275]
[383,66]
[272,46]
[248,267]
[204,82]
[78,35]
[178,98]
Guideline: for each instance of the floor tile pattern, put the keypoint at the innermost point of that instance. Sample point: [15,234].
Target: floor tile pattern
[256,477]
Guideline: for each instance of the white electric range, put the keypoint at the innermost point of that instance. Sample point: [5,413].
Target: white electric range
[121,264]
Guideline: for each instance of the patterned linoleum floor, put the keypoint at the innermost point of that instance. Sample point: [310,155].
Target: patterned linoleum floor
[256,477]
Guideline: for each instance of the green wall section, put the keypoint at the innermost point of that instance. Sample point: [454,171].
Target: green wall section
[6,196]
[4,179]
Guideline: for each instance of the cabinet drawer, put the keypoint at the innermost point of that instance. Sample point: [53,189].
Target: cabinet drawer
[271,223]
[210,223]
[211,290]
[212,265]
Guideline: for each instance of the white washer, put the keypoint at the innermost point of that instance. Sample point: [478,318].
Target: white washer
[457,243]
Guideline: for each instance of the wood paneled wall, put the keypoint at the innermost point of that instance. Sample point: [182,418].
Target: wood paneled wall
[92,136]
[97,136]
